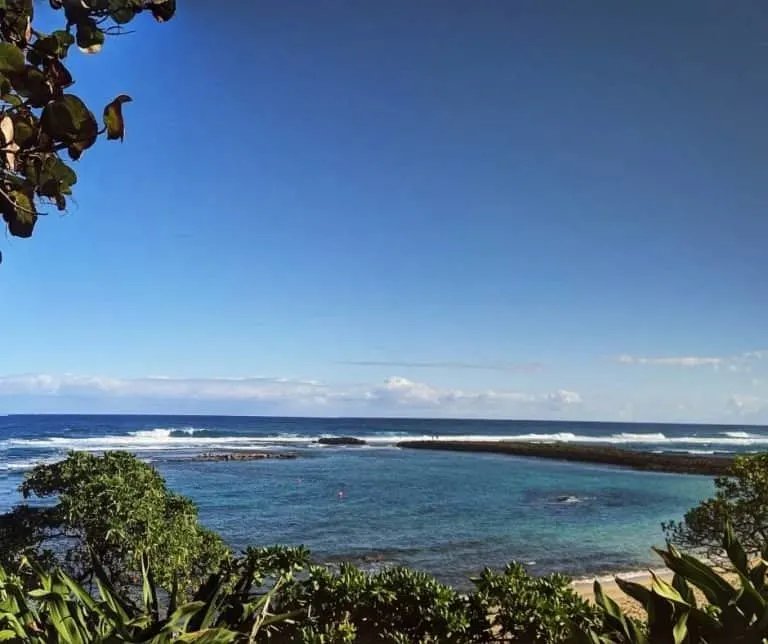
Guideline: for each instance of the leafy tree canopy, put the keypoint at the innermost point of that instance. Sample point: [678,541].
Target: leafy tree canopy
[40,119]
[741,499]
[113,515]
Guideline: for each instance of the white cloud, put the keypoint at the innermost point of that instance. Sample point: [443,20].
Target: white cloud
[256,388]
[403,392]
[395,394]
[679,361]
[746,405]
[740,362]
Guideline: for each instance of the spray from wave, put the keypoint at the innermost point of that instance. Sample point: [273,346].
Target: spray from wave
[187,438]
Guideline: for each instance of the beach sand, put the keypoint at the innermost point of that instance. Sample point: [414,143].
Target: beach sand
[630,607]
[585,587]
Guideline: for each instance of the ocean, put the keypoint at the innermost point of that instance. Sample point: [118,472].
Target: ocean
[450,514]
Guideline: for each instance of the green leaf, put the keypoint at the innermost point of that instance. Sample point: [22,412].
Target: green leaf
[610,607]
[57,74]
[686,592]
[680,630]
[665,590]
[23,131]
[636,591]
[113,117]
[65,40]
[47,46]
[32,85]
[12,99]
[60,171]
[122,12]
[163,10]
[19,214]
[67,119]
[55,45]
[89,38]
[11,58]
[40,593]
[716,589]
[750,602]
[734,550]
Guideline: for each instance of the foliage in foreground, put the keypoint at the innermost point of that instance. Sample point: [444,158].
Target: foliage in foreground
[39,118]
[273,595]
[113,516]
[120,518]
[741,500]
[260,598]
[114,525]
[229,607]
[728,614]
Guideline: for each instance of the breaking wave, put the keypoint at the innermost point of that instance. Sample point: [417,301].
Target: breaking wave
[190,438]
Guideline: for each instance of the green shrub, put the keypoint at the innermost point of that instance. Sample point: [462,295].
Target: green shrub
[113,528]
[108,513]
[532,610]
[741,499]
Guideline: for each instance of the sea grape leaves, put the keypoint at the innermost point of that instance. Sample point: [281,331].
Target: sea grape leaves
[41,118]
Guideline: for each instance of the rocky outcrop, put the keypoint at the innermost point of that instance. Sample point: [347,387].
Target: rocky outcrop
[341,440]
[244,456]
[597,454]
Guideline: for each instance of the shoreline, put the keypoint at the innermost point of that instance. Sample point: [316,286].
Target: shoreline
[594,454]
[585,588]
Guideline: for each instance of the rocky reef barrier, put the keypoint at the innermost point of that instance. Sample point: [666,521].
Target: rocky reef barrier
[341,440]
[595,454]
[244,456]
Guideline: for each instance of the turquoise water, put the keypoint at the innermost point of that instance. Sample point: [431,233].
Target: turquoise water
[450,514]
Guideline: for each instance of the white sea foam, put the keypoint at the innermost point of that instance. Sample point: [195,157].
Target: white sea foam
[159,439]
[628,575]
[655,438]
[24,465]
[164,439]
[737,434]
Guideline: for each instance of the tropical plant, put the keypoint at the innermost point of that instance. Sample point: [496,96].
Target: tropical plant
[729,614]
[231,606]
[394,605]
[399,605]
[741,499]
[110,515]
[522,608]
[108,526]
[39,118]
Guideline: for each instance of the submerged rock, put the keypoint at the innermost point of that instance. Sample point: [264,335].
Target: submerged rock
[244,456]
[341,440]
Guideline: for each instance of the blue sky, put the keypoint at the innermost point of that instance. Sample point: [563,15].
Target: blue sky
[514,209]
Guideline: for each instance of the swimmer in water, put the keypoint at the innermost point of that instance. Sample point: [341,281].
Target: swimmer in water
[341,494]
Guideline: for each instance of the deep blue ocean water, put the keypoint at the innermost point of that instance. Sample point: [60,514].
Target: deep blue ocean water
[450,514]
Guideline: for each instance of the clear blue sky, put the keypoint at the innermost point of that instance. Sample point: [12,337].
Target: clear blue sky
[524,209]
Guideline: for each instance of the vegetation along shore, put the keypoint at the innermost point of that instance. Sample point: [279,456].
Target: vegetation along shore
[115,555]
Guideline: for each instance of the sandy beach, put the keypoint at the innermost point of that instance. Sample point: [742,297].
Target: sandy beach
[585,587]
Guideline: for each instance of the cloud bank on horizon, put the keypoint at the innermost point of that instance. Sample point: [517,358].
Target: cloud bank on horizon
[394,396]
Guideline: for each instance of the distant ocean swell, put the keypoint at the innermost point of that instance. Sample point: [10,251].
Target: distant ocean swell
[24,453]
[428,510]
[190,437]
